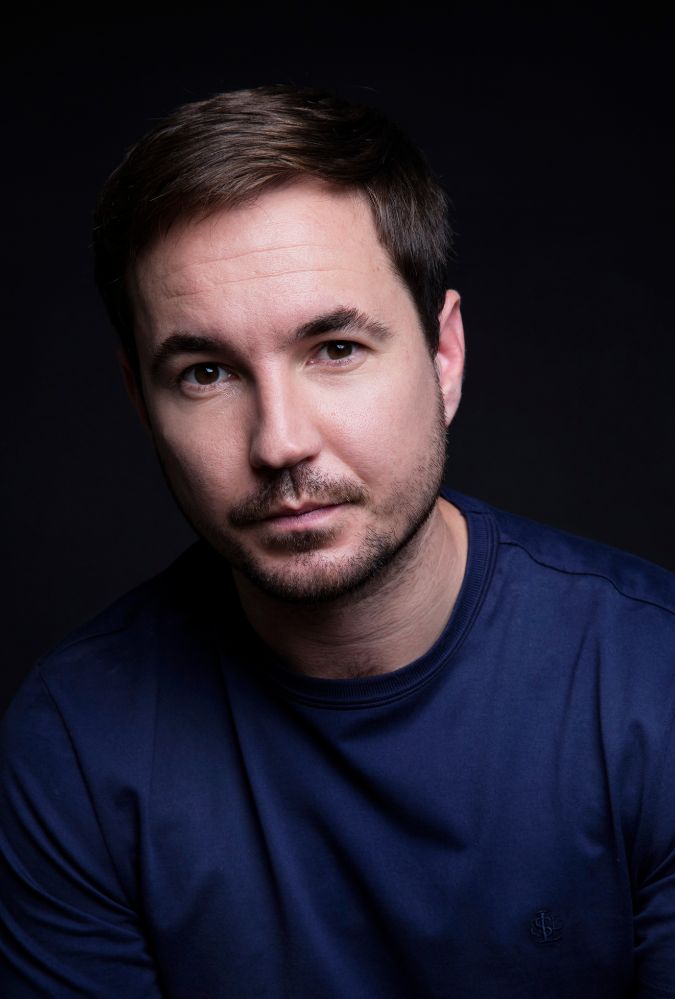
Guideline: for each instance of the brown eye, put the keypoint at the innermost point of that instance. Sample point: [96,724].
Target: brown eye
[338,349]
[206,374]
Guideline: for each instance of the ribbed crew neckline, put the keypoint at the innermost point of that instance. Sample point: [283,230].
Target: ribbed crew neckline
[370,691]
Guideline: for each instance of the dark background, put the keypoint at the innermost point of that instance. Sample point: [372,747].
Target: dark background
[553,134]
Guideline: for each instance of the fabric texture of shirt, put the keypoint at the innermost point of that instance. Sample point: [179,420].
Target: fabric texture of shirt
[181,816]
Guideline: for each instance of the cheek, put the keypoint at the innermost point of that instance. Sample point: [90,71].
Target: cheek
[383,430]
[201,456]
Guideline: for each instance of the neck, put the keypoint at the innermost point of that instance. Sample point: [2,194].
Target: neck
[387,624]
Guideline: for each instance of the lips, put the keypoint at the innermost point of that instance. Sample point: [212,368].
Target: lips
[306,517]
[295,497]
[288,511]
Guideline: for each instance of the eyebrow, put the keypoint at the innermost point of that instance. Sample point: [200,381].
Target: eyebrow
[345,321]
[182,343]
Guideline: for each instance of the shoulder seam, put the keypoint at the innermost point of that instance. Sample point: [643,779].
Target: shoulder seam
[70,643]
[586,572]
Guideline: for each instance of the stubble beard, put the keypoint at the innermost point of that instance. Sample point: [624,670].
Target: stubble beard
[308,572]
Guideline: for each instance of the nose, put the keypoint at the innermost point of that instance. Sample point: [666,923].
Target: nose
[285,430]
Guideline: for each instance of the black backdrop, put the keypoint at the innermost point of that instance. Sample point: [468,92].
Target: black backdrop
[553,133]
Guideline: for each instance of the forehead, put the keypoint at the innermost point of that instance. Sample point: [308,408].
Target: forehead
[289,245]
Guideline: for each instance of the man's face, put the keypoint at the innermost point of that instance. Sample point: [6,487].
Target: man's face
[291,395]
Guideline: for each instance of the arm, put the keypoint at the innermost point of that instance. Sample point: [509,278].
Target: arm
[66,928]
[654,881]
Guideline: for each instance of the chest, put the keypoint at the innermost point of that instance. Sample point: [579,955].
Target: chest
[383,854]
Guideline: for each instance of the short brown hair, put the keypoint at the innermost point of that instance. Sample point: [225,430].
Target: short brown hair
[221,152]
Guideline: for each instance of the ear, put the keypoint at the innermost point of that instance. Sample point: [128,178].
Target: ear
[133,387]
[449,360]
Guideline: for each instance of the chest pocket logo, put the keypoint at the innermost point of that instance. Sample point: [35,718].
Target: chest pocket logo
[545,927]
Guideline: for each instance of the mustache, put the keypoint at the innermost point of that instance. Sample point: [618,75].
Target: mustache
[298,483]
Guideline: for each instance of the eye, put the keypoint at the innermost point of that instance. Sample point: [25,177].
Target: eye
[205,375]
[337,350]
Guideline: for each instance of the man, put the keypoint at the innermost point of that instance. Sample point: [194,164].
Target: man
[362,740]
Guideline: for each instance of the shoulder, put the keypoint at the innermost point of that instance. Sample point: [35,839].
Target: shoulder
[556,559]
[559,606]
[83,732]
[78,743]
[107,674]
[582,637]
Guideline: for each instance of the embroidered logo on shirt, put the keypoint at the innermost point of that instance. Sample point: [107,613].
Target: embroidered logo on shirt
[545,927]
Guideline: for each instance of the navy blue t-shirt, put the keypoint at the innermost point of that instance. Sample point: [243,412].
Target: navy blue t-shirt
[183,817]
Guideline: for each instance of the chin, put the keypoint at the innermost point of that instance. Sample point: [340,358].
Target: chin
[306,574]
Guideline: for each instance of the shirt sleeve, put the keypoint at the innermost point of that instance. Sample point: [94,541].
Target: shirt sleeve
[654,878]
[66,928]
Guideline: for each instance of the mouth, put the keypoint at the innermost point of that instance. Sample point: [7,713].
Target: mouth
[301,517]
[303,501]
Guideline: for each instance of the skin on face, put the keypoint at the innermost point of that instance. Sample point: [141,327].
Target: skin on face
[294,404]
